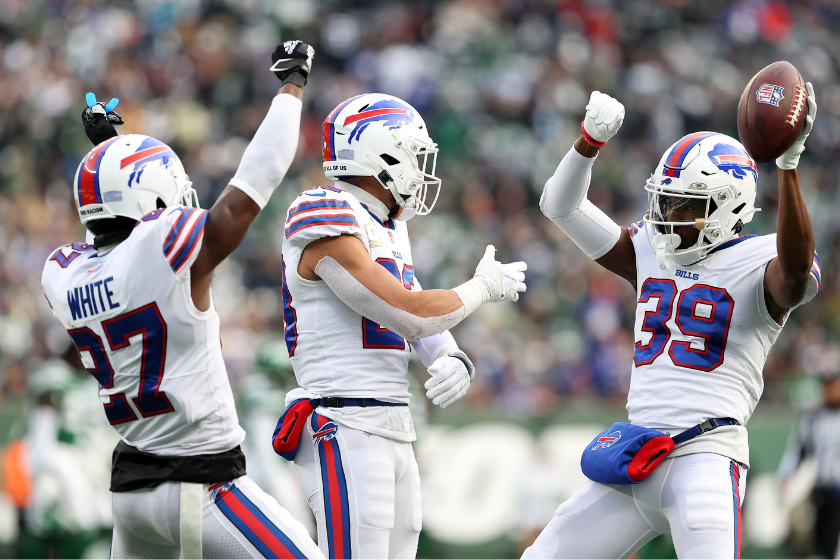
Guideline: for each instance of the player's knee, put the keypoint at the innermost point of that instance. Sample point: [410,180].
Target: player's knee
[708,505]
[374,482]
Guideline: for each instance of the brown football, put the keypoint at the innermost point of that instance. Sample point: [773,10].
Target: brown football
[772,111]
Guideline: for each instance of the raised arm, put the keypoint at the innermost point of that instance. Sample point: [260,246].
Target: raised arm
[564,199]
[263,166]
[787,277]
[369,289]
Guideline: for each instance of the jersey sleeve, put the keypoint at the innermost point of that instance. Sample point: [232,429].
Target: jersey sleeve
[814,280]
[177,232]
[318,213]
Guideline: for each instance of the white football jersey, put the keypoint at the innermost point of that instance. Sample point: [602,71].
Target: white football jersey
[702,333]
[157,358]
[334,350]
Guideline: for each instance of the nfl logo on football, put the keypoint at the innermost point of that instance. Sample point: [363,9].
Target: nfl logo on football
[770,94]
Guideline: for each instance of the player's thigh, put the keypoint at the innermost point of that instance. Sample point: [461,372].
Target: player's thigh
[242,521]
[146,522]
[702,501]
[597,521]
[348,477]
[407,505]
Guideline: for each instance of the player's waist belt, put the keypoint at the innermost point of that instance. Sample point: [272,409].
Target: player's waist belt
[340,402]
[627,454]
[132,468]
[286,438]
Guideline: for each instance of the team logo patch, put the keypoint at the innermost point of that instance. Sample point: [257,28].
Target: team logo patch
[770,94]
[607,440]
[326,432]
[733,160]
[150,151]
[666,181]
[392,113]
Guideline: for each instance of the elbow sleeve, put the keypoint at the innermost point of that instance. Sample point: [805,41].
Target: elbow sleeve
[271,151]
[564,202]
[364,302]
[430,348]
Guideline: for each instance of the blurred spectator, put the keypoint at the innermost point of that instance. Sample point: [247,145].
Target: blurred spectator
[502,85]
[816,437]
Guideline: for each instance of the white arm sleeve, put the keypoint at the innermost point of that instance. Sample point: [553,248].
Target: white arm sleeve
[564,202]
[430,348]
[270,153]
[364,302]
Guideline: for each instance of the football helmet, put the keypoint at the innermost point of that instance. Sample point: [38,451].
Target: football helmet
[126,175]
[382,136]
[707,167]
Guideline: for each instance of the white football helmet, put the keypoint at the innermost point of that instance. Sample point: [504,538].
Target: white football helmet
[126,175]
[384,137]
[706,166]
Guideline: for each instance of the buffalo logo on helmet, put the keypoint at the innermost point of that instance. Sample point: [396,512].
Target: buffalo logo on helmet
[733,160]
[325,432]
[392,113]
[150,150]
[770,94]
[607,440]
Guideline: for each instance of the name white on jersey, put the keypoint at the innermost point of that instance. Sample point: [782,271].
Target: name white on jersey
[156,357]
[702,333]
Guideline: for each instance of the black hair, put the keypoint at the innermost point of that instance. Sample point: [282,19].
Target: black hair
[109,231]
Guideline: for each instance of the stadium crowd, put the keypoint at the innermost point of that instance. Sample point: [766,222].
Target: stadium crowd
[502,85]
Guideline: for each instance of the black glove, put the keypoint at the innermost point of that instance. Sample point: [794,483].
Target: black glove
[100,119]
[292,62]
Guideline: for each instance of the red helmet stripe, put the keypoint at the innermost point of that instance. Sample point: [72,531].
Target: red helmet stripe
[677,155]
[367,114]
[88,182]
[329,130]
[142,154]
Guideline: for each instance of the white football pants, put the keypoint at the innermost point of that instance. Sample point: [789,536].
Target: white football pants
[238,520]
[364,490]
[697,498]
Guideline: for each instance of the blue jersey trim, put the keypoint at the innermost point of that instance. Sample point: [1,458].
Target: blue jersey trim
[732,242]
[389,224]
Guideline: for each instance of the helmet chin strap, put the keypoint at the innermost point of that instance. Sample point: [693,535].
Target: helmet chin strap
[387,181]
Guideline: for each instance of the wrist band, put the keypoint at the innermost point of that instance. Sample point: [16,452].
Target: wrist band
[589,140]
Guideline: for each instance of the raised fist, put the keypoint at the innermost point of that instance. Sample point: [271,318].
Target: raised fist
[100,119]
[604,116]
[292,62]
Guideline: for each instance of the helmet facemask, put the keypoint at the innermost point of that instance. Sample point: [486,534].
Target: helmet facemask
[409,176]
[720,196]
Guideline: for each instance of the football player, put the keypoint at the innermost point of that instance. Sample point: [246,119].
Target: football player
[138,305]
[352,305]
[711,302]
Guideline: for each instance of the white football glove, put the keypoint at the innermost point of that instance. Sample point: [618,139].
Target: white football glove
[790,159]
[450,379]
[492,282]
[504,281]
[604,116]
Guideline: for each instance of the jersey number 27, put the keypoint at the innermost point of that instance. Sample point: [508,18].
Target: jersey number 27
[146,321]
[702,311]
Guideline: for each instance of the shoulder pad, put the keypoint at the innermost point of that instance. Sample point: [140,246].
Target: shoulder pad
[66,254]
[321,212]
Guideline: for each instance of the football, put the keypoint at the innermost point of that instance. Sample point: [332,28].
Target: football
[772,111]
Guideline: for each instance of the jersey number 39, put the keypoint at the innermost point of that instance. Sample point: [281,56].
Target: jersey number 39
[702,311]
